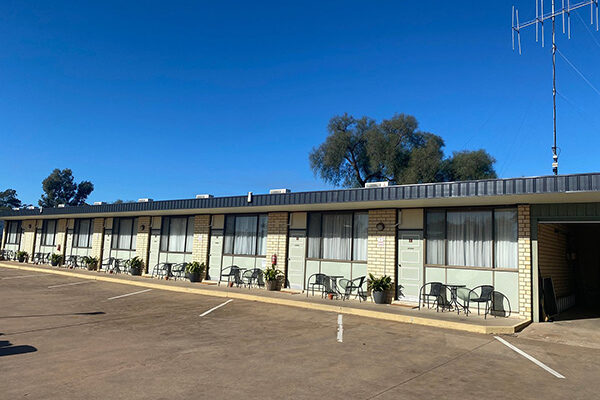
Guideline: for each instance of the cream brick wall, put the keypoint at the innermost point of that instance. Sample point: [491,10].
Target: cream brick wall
[98,238]
[524,244]
[201,239]
[28,240]
[381,251]
[142,240]
[277,239]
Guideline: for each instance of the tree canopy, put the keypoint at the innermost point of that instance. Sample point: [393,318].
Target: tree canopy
[8,199]
[60,188]
[360,150]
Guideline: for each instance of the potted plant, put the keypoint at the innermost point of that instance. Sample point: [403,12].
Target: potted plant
[56,259]
[22,256]
[91,262]
[194,271]
[380,289]
[135,266]
[273,278]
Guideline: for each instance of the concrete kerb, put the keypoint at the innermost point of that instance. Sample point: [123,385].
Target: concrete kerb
[487,329]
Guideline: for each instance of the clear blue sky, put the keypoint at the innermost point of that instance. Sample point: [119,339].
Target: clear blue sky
[169,99]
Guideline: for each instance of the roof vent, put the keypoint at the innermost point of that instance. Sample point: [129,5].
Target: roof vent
[377,184]
[16,208]
[204,196]
[61,206]
[99,203]
[31,208]
[279,191]
[144,200]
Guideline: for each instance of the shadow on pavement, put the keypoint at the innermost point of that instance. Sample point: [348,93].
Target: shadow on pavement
[54,315]
[7,349]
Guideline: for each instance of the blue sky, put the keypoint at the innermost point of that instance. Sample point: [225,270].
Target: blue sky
[169,99]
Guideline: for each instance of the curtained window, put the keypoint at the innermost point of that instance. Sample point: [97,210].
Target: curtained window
[481,238]
[177,234]
[83,233]
[338,236]
[124,233]
[48,232]
[246,234]
[13,232]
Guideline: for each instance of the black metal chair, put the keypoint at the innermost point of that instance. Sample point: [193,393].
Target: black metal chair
[178,271]
[349,286]
[107,264]
[72,262]
[480,294]
[232,272]
[322,282]
[437,291]
[252,277]
[37,258]
[161,270]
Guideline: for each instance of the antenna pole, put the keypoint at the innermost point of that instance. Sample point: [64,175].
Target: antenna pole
[554,153]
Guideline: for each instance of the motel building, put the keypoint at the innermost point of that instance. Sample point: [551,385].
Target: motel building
[509,233]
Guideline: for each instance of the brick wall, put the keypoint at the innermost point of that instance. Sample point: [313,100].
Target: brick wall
[201,239]
[381,252]
[277,238]
[142,240]
[98,238]
[524,262]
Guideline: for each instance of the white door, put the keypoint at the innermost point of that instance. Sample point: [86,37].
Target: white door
[296,259]
[215,255]
[410,264]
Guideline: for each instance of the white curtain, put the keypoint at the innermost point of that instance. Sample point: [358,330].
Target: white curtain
[262,234]
[229,233]
[134,229]
[506,252]
[245,235]
[49,231]
[314,235]
[83,234]
[189,239]
[361,225]
[337,236]
[13,232]
[436,231]
[124,231]
[177,230]
[470,238]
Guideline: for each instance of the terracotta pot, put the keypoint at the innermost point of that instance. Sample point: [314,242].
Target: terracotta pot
[330,296]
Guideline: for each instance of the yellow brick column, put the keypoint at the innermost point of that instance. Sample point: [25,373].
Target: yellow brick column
[28,243]
[201,239]
[61,238]
[381,244]
[277,239]
[524,218]
[142,241]
[98,238]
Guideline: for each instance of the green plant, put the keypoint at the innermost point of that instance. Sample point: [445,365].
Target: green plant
[91,262]
[272,274]
[135,263]
[195,268]
[56,258]
[22,254]
[380,284]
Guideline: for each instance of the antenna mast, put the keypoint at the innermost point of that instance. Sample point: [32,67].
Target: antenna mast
[540,17]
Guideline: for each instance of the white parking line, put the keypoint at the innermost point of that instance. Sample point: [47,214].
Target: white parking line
[69,284]
[340,330]
[214,308]
[530,358]
[129,294]
[21,276]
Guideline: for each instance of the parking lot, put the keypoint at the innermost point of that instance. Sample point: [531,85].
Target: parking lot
[67,338]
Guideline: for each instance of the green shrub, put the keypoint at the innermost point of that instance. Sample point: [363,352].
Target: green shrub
[379,284]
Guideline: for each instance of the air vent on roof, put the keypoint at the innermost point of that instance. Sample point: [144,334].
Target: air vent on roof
[61,206]
[377,184]
[99,203]
[279,191]
[204,196]
[16,208]
[31,208]
[144,200]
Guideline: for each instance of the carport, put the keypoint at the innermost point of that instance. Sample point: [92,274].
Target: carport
[566,249]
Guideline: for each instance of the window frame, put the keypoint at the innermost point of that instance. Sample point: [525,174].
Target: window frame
[352,237]
[257,228]
[17,233]
[117,234]
[45,232]
[162,233]
[466,209]
[77,233]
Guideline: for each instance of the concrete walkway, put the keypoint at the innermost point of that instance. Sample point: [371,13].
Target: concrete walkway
[397,313]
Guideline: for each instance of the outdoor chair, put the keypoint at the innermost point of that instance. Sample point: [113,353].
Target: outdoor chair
[435,291]
[349,286]
[322,282]
[178,271]
[37,258]
[72,262]
[480,294]
[161,270]
[253,276]
[232,273]
[107,264]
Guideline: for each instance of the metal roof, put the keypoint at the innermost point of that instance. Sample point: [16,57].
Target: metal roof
[489,187]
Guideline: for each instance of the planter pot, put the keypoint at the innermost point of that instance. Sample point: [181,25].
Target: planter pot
[54,263]
[21,259]
[230,284]
[382,297]
[194,276]
[330,296]
[274,285]
[135,271]
[91,267]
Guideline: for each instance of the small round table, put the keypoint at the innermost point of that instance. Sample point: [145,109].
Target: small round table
[454,296]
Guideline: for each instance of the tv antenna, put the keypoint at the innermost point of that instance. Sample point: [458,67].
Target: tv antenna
[540,18]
